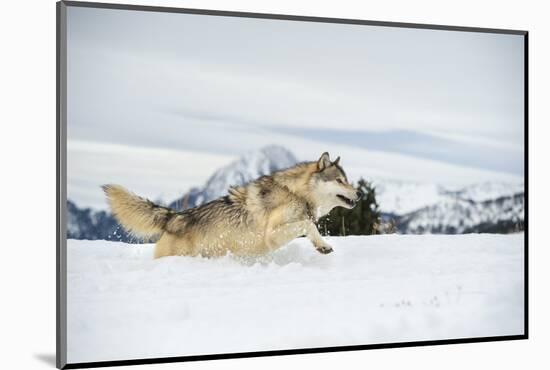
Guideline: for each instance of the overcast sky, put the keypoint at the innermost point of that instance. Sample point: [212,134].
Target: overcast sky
[224,85]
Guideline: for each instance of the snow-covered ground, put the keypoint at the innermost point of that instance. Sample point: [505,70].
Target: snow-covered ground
[123,304]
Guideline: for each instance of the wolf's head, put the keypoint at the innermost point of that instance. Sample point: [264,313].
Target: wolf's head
[330,187]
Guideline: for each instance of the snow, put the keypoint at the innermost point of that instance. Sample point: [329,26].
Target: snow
[123,304]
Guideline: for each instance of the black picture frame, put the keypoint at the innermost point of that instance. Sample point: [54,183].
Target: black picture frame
[61,191]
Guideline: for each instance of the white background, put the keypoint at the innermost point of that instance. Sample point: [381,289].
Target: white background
[27,319]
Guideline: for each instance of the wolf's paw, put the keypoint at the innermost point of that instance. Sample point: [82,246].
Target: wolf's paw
[325,249]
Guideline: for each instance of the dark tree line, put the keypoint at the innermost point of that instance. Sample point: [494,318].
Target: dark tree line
[363,219]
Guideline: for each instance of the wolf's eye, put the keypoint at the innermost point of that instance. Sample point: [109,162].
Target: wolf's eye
[339,181]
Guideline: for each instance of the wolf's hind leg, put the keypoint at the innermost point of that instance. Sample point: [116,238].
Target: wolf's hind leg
[163,247]
[173,245]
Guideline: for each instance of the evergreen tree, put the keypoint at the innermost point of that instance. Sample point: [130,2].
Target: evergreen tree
[363,219]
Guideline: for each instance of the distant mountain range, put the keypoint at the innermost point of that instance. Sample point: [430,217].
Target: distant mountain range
[490,207]
[456,215]
[247,168]
[412,207]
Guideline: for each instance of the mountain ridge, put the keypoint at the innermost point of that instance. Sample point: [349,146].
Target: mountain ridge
[415,208]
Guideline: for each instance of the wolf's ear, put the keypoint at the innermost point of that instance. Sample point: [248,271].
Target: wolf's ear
[323,162]
[336,161]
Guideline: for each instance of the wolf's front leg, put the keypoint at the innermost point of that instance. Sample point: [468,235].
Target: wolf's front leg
[282,234]
[320,244]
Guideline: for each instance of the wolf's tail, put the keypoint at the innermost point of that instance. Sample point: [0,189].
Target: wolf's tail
[137,215]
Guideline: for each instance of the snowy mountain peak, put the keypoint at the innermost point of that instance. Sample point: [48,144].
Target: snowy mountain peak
[249,167]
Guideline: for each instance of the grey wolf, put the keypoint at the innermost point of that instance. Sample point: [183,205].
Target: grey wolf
[251,220]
